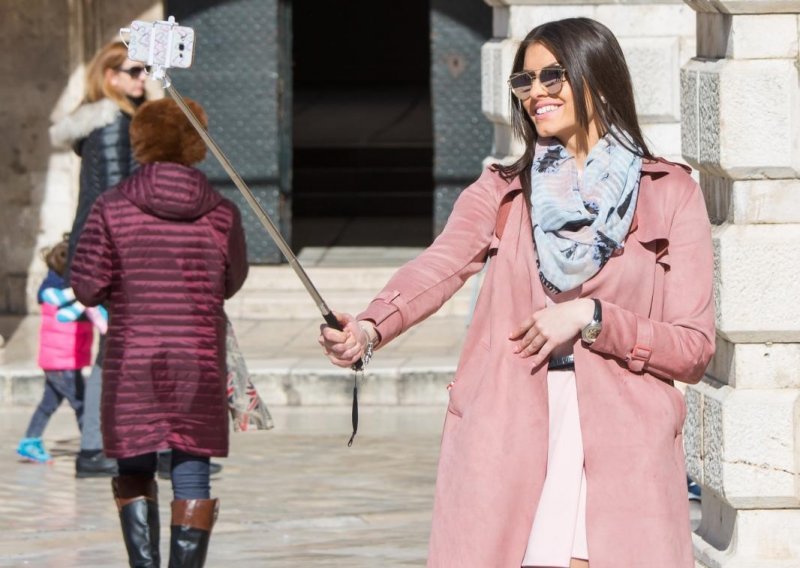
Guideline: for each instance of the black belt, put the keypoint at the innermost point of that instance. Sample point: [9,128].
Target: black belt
[561,363]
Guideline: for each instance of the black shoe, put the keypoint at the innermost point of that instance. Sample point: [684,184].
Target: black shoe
[165,465]
[94,464]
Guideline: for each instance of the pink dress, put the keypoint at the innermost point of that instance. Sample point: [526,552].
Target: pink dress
[559,527]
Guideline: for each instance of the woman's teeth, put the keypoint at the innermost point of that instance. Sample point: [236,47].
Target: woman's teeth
[545,109]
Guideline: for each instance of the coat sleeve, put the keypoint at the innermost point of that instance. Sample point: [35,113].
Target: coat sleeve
[90,275]
[236,266]
[681,346]
[423,285]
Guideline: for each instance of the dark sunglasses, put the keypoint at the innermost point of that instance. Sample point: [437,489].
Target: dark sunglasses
[136,71]
[551,79]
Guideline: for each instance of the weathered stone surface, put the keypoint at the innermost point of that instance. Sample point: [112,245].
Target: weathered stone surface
[693,433]
[719,136]
[745,6]
[755,279]
[743,37]
[664,139]
[748,444]
[756,365]
[751,201]
[497,59]
[655,67]
[754,538]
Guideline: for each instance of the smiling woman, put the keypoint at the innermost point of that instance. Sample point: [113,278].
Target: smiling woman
[597,298]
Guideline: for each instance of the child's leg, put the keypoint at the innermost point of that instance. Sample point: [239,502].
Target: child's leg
[51,399]
[193,513]
[136,495]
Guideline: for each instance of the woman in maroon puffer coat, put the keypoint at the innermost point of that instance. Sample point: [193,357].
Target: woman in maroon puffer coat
[163,250]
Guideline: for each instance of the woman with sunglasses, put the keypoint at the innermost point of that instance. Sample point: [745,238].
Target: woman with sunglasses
[98,132]
[562,444]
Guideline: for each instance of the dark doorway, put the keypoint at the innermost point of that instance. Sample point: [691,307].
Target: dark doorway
[362,127]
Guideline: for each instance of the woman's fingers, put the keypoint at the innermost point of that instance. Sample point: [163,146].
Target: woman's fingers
[534,342]
[342,347]
[522,329]
[543,354]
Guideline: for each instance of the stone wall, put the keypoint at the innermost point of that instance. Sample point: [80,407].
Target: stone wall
[741,129]
[657,38]
[44,46]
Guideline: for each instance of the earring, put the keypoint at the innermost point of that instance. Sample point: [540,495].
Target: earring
[602,99]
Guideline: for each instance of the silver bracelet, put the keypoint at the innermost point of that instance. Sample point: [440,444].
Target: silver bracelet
[370,346]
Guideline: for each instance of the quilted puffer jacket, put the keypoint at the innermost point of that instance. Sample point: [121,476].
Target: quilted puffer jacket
[98,133]
[163,251]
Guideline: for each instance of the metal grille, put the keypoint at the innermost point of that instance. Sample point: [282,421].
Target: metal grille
[462,135]
[236,76]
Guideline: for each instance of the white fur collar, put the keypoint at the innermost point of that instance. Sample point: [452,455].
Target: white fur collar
[80,123]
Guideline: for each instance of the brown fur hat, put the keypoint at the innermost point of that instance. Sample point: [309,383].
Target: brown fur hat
[160,132]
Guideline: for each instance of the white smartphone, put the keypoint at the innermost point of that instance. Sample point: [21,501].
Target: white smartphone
[161,43]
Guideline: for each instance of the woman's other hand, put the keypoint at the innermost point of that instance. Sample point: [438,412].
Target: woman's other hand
[345,347]
[546,329]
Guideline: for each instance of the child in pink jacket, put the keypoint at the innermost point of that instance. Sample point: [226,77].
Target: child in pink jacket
[65,344]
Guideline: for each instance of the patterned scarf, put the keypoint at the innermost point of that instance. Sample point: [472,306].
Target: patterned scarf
[579,221]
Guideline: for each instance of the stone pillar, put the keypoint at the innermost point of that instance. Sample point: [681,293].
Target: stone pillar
[656,36]
[740,104]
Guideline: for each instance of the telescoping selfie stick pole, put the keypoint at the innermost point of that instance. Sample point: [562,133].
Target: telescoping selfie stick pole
[158,71]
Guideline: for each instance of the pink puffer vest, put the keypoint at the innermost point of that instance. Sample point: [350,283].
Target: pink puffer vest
[63,345]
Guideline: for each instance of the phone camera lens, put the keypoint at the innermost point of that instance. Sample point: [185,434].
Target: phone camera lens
[180,47]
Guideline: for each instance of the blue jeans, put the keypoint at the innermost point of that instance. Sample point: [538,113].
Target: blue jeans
[190,474]
[58,385]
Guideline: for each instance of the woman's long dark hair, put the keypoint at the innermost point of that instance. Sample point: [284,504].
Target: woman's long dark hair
[595,65]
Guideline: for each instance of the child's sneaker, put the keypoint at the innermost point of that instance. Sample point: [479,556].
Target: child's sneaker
[32,449]
[694,490]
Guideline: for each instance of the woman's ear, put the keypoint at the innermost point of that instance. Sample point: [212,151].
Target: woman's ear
[110,77]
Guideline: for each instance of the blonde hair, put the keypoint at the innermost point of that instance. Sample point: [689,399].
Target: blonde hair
[110,56]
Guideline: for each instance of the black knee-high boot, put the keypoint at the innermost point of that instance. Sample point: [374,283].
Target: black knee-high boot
[137,502]
[192,521]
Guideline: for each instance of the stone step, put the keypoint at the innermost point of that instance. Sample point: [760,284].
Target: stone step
[277,293]
[297,383]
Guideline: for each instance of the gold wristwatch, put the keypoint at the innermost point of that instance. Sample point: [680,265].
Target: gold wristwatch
[590,333]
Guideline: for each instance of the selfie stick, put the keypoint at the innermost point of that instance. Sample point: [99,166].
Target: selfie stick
[158,71]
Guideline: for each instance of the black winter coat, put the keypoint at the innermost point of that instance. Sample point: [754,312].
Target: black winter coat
[98,132]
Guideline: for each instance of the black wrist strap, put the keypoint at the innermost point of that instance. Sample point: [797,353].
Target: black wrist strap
[598,310]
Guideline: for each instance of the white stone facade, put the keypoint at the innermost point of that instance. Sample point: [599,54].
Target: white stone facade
[657,38]
[743,424]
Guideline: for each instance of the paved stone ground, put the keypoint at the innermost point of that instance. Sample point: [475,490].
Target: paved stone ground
[292,496]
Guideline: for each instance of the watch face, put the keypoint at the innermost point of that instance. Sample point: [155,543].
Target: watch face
[591,332]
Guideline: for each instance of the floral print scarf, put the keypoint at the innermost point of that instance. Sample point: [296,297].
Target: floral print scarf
[580,220]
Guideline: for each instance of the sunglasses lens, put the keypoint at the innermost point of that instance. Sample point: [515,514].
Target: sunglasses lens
[135,72]
[520,85]
[551,79]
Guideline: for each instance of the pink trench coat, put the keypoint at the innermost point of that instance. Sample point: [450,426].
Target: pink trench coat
[658,323]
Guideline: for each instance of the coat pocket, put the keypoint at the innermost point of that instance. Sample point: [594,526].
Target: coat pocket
[469,375]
